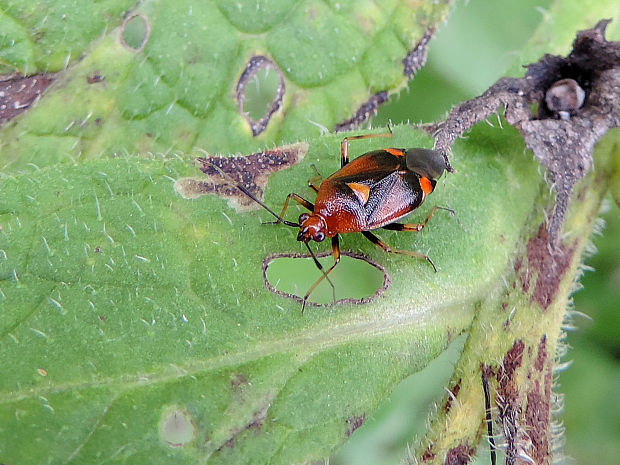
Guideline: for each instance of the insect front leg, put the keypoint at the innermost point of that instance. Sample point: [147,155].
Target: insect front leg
[336,254]
[297,198]
[312,183]
[315,182]
[378,242]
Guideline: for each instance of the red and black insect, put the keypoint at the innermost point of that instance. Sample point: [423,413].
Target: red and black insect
[373,191]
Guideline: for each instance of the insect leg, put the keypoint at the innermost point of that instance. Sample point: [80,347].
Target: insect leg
[413,226]
[316,179]
[404,227]
[312,182]
[375,240]
[297,198]
[344,145]
[336,253]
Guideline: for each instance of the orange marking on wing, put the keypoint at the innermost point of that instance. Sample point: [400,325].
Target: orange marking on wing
[426,185]
[362,191]
[395,152]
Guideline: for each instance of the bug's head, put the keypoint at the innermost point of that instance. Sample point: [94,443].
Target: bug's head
[311,228]
[425,162]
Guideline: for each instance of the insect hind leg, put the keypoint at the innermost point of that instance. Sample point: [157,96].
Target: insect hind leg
[413,226]
[378,242]
[312,183]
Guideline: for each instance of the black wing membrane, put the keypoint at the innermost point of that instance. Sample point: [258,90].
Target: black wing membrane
[425,162]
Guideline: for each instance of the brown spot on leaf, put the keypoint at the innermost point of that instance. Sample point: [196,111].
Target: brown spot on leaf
[563,146]
[548,264]
[518,264]
[428,454]
[452,395]
[251,172]
[238,381]
[537,419]
[524,276]
[366,109]
[17,94]
[258,420]
[416,58]
[526,427]
[541,356]
[512,361]
[538,411]
[95,77]
[507,397]
[354,423]
[459,455]
[256,423]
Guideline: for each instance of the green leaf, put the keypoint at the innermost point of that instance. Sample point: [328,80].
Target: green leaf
[135,324]
[123,302]
[42,36]
[180,90]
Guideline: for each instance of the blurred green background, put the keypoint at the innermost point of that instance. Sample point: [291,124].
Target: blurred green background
[466,57]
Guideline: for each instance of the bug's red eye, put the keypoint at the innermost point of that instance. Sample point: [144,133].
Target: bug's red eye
[303,218]
[319,236]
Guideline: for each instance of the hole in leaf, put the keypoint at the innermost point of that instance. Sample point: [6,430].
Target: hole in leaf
[356,278]
[177,427]
[260,92]
[135,32]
